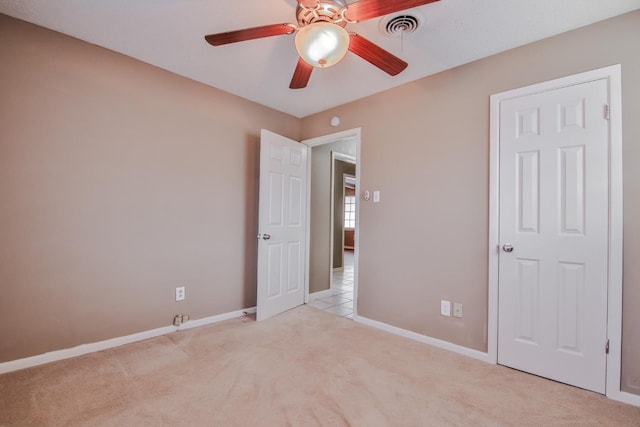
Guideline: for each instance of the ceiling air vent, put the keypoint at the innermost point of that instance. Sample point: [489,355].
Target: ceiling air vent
[401,25]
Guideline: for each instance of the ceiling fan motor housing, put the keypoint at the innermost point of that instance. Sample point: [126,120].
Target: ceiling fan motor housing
[325,11]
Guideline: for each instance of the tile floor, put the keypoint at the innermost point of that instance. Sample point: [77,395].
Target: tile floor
[341,300]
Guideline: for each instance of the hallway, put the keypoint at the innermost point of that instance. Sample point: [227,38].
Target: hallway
[340,302]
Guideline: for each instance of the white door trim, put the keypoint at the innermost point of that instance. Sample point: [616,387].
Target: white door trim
[349,159]
[614,321]
[321,140]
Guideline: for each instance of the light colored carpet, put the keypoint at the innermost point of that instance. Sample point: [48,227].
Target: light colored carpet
[304,367]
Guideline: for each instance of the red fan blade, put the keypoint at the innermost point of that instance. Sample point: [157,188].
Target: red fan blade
[301,75]
[367,9]
[309,4]
[376,55]
[249,34]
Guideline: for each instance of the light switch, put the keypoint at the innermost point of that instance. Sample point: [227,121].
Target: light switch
[445,308]
[376,197]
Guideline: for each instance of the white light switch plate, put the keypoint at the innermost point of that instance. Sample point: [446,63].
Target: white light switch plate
[376,197]
[445,308]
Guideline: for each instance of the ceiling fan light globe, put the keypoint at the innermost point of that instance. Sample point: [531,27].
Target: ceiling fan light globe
[322,44]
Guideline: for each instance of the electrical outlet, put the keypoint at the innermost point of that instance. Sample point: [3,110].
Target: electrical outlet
[180,293]
[457,309]
[445,308]
[179,319]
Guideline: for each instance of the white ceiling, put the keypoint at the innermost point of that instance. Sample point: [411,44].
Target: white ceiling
[169,34]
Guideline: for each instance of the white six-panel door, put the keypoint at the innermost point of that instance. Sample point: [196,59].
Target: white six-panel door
[281,224]
[553,234]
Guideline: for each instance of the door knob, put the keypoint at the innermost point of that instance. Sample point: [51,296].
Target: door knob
[507,248]
[266,236]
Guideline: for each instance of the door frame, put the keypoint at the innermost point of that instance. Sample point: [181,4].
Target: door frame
[614,287]
[348,159]
[321,140]
[345,177]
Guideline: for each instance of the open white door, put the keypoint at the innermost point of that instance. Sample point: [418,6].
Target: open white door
[281,224]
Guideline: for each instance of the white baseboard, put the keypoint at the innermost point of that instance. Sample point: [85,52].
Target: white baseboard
[215,319]
[320,294]
[620,396]
[67,353]
[82,349]
[465,351]
[624,397]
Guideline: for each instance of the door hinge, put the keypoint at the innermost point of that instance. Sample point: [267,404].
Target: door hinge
[606,347]
[607,111]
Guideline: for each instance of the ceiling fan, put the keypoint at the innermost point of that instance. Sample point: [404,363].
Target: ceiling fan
[321,38]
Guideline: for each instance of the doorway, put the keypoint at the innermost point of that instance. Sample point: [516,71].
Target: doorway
[333,171]
[555,263]
[342,233]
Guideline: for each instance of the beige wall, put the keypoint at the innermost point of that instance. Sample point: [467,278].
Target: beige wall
[320,215]
[439,128]
[114,189]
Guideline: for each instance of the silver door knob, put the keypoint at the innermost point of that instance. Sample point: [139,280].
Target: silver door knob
[266,236]
[507,248]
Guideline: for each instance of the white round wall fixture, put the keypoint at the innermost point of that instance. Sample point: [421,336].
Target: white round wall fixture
[335,121]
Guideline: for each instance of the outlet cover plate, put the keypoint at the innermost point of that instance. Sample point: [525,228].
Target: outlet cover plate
[457,309]
[180,293]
